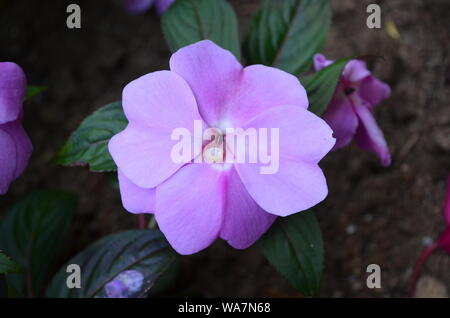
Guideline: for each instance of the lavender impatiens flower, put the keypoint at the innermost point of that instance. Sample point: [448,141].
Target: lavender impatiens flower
[139,6]
[350,113]
[15,146]
[195,202]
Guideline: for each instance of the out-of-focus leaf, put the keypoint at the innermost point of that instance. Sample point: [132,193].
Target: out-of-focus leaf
[31,233]
[321,86]
[7,265]
[33,91]
[294,247]
[286,34]
[88,144]
[3,287]
[114,261]
[190,21]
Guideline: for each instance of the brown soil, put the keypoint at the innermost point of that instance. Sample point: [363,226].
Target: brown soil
[372,215]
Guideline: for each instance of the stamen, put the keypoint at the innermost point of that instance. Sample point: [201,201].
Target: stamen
[214,151]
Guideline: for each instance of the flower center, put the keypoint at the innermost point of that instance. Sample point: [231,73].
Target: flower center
[348,91]
[214,149]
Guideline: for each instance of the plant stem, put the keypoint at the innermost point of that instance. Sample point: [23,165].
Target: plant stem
[419,265]
[141,221]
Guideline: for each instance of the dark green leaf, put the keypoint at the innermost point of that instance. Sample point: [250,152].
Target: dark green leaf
[3,287]
[321,86]
[286,34]
[294,247]
[146,251]
[7,265]
[190,21]
[33,91]
[31,233]
[89,143]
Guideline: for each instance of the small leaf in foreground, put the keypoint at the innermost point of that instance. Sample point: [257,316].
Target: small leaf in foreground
[7,265]
[33,91]
[127,264]
[88,144]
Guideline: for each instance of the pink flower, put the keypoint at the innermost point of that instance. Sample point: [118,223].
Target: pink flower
[444,240]
[15,146]
[442,243]
[139,6]
[350,113]
[197,202]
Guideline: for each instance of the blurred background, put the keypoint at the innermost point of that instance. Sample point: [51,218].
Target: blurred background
[385,216]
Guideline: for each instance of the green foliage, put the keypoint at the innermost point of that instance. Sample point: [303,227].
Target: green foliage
[146,251]
[31,233]
[33,91]
[321,86]
[7,265]
[286,34]
[190,21]
[88,144]
[294,247]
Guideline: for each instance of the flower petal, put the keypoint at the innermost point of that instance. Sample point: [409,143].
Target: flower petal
[12,91]
[23,145]
[373,91]
[261,88]
[134,198]
[321,62]
[343,121]
[355,71]
[244,221]
[369,136]
[163,5]
[297,186]
[213,75]
[302,134]
[138,6]
[161,101]
[155,104]
[298,183]
[444,240]
[447,203]
[143,155]
[189,207]
[7,160]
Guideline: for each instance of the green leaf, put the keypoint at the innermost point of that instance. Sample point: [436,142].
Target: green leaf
[7,265]
[286,34]
[294,247]
[33,91]
[3,287]
[88,145]
[190,21]
[146,251]
[31,233]
[321,86]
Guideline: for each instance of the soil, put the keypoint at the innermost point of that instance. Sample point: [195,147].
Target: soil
[373,214]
